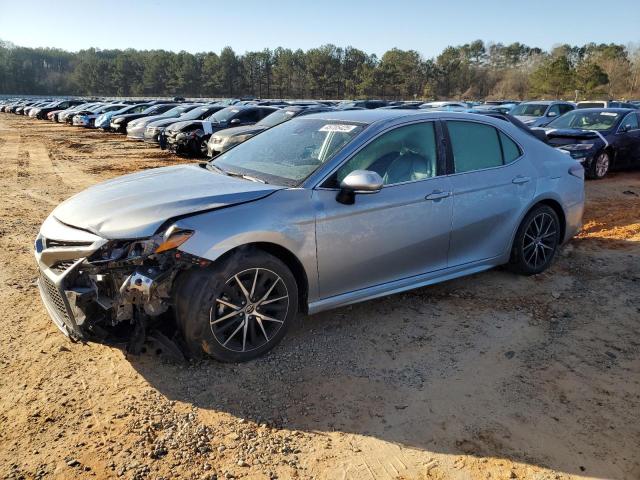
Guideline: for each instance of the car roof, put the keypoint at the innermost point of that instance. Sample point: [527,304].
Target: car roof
[542,102]
[613,110]
[379,115]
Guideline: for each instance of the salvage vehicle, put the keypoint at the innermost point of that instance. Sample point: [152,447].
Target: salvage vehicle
[223,140]
[104,120]
[119,122]
[600,139]
[62,116]
[318,212]
[26,109]
[540,113]
[190,137]
[605,104]
[87,118]
[33,111]
[154,133]
[68,117]
[41,112]
[136,128]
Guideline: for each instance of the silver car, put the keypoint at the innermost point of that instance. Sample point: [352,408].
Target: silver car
[316,213]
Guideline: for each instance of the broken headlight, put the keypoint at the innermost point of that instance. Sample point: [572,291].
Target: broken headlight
[138,250]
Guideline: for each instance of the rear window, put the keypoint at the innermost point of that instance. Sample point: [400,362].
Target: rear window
[591,105]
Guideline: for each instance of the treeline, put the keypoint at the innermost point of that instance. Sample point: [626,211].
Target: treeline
[471,71]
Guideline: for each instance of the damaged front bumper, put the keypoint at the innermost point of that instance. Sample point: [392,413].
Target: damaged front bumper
[100,290]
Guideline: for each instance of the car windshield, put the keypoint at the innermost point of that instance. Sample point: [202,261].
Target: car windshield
[586,120]
[131,109]
[224,115]
[151,109]
[277,117]
[290,152]
[195,114]
[530,110]
[176,110]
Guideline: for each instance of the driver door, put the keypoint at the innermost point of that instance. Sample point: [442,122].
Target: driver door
[401,231]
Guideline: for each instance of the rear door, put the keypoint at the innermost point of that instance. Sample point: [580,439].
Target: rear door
[492,183]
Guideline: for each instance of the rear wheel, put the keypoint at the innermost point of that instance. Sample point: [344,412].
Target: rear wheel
[536,241]
[238,310]
[600,166]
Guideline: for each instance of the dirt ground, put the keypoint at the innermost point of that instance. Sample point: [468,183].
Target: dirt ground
[491,376]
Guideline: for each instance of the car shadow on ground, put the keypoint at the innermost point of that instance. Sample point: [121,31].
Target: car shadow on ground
[537,370]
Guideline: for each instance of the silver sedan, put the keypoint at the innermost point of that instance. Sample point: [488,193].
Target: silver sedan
[316,213]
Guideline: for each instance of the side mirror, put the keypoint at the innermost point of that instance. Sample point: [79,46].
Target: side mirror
[624,128]
[358,182]
[552,114]
[235,121]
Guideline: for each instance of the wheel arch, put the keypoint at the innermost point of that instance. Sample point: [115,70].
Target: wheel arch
[288,258]
[555,205]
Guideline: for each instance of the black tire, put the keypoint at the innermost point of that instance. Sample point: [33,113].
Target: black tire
[600,166]
[204,300]
[533,253]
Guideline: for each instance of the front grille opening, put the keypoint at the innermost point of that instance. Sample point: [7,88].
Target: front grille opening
[55,297]
[65,243]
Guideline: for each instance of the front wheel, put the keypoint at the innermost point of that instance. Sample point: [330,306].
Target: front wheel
[599,166]
[239,309]
[536,241]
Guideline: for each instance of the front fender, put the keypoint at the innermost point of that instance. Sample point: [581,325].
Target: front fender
[285,218]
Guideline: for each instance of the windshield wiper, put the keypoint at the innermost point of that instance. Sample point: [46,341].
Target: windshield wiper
[213,166]
[246,177]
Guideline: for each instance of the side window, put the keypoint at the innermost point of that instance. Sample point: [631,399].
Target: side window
[565,108]
[265,112]
[631,122]
[475,146]
[554,109]
[249,116]
[510,151]
[404,154]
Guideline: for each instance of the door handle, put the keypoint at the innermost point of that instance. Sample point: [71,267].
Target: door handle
[437,195]
[519,180]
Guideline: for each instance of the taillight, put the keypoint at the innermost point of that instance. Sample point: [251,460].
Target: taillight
[577,170]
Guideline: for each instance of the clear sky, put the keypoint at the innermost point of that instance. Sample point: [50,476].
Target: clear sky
[374,26]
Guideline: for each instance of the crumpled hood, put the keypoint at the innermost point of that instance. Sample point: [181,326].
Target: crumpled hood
[163,122]
[570,132]
[201,124]
[136,205]
[527,118]
[569,136]
[144,121]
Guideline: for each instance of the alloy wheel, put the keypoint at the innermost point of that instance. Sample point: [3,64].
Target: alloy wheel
[540,240]
[602,165]
[250,310]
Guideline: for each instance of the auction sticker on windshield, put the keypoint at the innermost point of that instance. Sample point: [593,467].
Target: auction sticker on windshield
[337,127]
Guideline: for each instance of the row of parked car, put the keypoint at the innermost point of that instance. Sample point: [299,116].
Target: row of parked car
[599,134]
